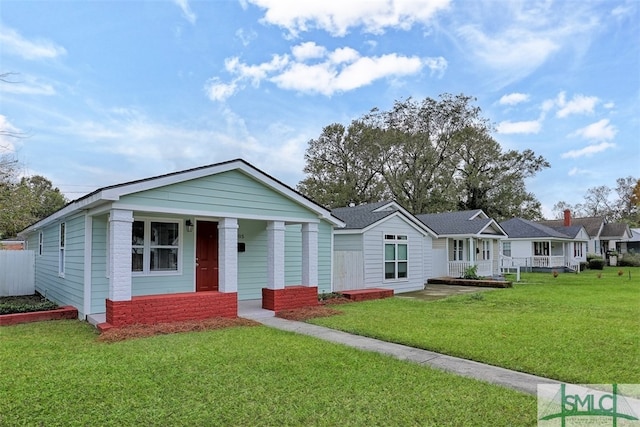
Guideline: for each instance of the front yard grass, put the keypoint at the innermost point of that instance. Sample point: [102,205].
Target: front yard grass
[57,374]
[577,328]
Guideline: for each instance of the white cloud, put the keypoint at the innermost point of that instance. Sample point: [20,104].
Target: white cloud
[186,10]
[513,98]
[508,127]
[515,50]
[246,37]
[218,91]
[587,151]
[577,171]
[12,42]
[609,105]
[337,17]
[598,131]
[308,50]
[580,104]
[314,69]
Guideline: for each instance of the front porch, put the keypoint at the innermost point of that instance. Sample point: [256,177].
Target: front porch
[484,268]
[539,261]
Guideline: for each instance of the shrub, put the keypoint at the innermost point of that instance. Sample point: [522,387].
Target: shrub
[596,264]
[629,260]
[593,256]
[471,272]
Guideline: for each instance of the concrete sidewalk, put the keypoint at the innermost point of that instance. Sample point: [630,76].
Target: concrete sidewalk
[522,382]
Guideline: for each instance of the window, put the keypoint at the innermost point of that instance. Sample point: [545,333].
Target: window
[506,249]
[40,243]
[155,246]
[458,250]
[577,249]
[541,248]
[395,257]
[61,249]
[486,250]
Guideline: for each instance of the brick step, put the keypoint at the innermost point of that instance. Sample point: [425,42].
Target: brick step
[367,294]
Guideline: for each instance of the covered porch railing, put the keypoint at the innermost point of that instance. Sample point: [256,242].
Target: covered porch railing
[540,261]
[458,268]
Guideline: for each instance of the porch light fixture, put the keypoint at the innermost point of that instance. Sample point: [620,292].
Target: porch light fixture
[189,225]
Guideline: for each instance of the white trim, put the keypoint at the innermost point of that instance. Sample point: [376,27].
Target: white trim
[88,249]
[146,267]
[114,194]
[211,214]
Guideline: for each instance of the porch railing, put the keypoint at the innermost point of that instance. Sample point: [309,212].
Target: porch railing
[539,261]
[458,268]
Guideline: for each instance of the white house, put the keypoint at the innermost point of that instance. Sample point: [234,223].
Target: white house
[381,246]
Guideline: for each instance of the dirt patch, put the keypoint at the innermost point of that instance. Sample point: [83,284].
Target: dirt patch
[142,331]
[306,313]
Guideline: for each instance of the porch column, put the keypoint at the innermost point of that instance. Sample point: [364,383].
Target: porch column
[228,255]
[472,252]
[310,254]
[120,225]
[275,255]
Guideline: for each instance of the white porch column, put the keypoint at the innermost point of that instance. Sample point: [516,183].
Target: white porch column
[228,255]
[120,225]
[275,255]
[310,254]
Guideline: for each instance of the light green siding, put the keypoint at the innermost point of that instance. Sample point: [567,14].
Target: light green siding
[232,193]
[67,289]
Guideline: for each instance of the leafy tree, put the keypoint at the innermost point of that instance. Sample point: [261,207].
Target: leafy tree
[614,205]
[430,155]
[341,167]
[493,180]
[25,202]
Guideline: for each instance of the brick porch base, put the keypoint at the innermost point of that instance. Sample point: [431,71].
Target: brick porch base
[152,309]
[289,298]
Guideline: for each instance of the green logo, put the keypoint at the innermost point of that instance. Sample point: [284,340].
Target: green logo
[580,401]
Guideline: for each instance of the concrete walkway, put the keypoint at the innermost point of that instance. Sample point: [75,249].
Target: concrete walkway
[492,374]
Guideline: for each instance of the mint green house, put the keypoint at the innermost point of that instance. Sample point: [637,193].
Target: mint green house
[185,245]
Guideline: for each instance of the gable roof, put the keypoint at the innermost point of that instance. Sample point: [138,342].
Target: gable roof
[520,228]
[472,223]
[619,230]
[114,192]
[592,224]
[366,215]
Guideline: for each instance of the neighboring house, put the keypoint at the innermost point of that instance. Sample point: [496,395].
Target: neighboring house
[603,236]
[185,245]
[383,246]
[632,245]
[465,239]
[11,245]
[535,245]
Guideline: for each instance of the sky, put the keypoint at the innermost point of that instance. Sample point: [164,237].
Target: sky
[105,92]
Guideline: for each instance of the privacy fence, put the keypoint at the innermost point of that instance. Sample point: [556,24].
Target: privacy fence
[17,273]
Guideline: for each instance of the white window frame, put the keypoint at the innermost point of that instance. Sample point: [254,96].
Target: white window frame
[147,246]
[396,240]
[506,247]
[458,250]
[486,250]
[62,241]
[40,243]
[541,248]
[577,250]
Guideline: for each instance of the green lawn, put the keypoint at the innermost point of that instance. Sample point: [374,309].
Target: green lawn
[56,374]
[575,328]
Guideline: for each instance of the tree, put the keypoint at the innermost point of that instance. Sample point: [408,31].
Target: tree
[430,156]
[25,202]
[494,181]
[614,205]
[341,168]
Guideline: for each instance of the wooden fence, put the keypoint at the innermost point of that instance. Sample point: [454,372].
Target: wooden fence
[17,273]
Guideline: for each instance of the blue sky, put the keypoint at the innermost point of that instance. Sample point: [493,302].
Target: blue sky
[111,91]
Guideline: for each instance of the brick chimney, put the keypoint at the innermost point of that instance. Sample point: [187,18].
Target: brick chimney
[567,218]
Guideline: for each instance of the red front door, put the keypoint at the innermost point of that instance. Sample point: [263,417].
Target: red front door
[207,256]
